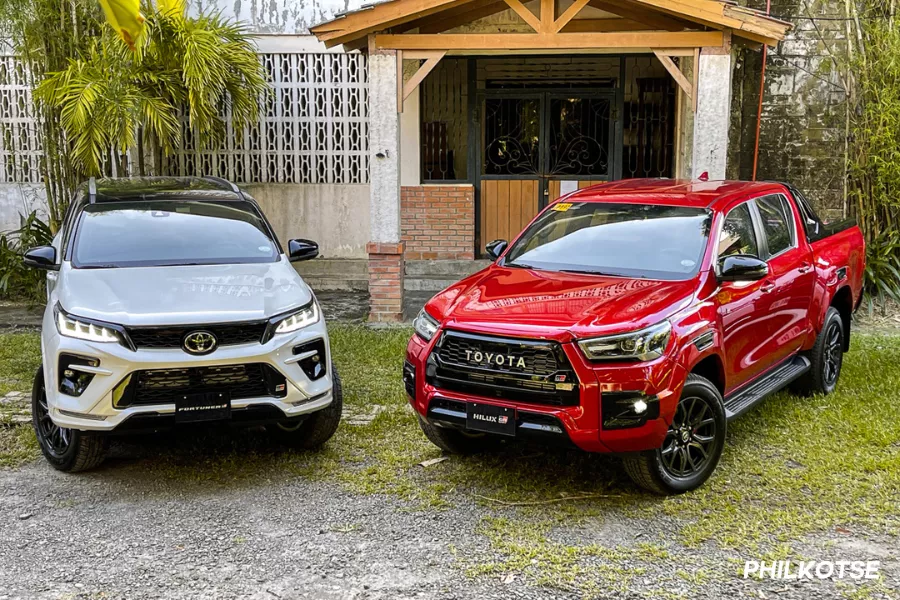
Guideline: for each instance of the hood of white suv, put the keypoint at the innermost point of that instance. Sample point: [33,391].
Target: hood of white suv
[183,295]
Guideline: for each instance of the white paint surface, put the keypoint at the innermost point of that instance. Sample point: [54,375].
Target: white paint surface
[384,148]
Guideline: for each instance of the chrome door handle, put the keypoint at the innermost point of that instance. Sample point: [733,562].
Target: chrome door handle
[804,268]
[767,287]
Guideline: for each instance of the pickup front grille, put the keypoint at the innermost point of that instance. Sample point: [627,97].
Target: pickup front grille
[513,369]
[227,334]
[163,386]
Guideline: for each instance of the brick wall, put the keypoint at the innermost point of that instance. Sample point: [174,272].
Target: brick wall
[802,129]
[437,222]
[385,281]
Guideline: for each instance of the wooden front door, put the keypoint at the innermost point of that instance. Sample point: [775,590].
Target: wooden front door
[534,145]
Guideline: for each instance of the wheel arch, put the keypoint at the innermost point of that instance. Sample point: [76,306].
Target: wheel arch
[712,368]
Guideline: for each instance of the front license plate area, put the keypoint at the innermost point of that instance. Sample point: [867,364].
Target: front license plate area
[488,418]
[209,406]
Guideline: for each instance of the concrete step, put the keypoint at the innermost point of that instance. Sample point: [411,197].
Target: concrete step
[331,267]
[335,274]
[443,269]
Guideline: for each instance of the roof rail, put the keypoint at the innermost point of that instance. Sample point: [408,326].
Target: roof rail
[92,190]
[223,182]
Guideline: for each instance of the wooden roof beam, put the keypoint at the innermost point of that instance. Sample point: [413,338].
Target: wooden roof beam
[454,17]
[633,12]
[559,41]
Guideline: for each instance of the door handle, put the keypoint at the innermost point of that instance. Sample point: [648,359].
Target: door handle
[767,287]
[805,267]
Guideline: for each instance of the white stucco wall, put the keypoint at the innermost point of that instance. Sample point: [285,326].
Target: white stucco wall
[18,200]
[334,215]
[277,16]
[713,118]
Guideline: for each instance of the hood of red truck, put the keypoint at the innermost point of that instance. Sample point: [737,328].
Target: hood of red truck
[547,304]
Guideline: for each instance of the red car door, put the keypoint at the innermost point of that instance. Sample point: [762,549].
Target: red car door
[741,304]
[789,287]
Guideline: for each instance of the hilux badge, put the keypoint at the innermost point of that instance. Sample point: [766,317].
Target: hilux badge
[199,342]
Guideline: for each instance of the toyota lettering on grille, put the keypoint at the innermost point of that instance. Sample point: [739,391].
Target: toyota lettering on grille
[495,358]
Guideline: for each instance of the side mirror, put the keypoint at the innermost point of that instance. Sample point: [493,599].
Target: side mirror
[42,257]
[496,248]
[742,268]
[302,250]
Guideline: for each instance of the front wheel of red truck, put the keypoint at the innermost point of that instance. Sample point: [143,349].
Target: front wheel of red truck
[692,447]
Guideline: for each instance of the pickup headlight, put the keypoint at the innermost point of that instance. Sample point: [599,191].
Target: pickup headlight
[643,345]
[425,325]
[85,329]
[304,317]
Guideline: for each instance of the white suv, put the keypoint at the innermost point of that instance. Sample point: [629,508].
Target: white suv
[170,303]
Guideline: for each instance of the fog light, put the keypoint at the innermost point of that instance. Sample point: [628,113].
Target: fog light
[311,358]
[624,410]
[72,381]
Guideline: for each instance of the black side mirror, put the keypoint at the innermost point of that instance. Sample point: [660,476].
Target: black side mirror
[741,267]
[496,248]
[302,250]
[42,257]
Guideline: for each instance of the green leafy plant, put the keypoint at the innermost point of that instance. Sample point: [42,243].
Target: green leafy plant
[18,282]
[874,161]
[119,99]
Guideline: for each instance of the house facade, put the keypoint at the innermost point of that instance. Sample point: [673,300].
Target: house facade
[405,135]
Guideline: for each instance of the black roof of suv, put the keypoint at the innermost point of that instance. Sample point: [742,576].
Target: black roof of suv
[160,188]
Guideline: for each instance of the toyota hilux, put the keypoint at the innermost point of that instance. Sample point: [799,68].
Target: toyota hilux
[638,318]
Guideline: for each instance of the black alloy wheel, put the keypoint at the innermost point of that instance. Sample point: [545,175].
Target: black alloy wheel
[688,444]
[833,355]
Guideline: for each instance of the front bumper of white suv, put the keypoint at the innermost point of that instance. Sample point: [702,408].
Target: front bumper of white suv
[104,386]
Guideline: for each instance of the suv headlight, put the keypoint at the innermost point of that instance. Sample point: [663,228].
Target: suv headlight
[643,345]
[425,325]
[85,329]
[304,317]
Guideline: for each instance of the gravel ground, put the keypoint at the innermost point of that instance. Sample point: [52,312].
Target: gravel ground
[131,531]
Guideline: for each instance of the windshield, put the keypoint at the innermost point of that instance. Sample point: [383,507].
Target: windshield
[165,232]
[627,240]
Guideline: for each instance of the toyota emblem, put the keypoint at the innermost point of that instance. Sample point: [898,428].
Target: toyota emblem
[199,342]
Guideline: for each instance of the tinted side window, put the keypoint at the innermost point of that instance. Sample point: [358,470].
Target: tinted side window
[738,235]
[777,222]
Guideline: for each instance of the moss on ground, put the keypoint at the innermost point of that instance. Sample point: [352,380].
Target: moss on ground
[792,467]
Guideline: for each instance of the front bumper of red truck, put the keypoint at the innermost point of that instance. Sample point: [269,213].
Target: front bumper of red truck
[557,394]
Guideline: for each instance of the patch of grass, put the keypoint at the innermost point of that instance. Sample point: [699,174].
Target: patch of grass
[20,356]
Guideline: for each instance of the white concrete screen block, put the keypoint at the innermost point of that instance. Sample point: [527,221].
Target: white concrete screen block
[712,120]
[384,148]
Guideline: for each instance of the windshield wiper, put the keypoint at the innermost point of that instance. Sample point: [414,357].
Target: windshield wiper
[518,265]
[589,272]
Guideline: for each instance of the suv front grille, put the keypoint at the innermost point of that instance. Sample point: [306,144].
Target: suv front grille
[227,334]
[513,369]
[163,386]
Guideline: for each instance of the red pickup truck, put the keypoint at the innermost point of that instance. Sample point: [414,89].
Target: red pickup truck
[638,318]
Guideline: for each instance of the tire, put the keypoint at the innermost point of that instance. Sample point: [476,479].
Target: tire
[826,358]
[314,430]
[68,450]
[456,441]
[689,454]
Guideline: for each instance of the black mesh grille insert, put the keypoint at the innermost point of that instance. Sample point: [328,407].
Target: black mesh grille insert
[520,370]
[162,386]
[227,334]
